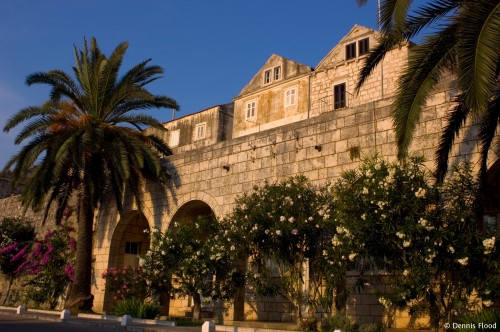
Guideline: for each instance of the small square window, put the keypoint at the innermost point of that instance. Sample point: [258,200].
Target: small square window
[277,73]
[363,46]
[350,51]
[200,131]
[174,137]
[251,109]
[133,248]
[267,76]
[339,96]
[290,97]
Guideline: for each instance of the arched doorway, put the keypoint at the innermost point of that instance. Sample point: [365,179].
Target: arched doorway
[491,198]
[129,240]
[186,214]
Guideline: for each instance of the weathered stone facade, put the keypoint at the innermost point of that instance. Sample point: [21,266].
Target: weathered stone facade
[286,121]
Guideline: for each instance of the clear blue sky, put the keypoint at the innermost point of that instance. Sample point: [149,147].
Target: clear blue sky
[210,49]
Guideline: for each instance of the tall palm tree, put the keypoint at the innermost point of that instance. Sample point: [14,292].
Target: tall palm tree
[86,143]
[464,39]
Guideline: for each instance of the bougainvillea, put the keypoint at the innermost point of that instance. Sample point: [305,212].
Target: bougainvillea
[127,283]
[50,265]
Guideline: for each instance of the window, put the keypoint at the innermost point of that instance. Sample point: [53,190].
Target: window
[273,74]
[200,131]
[251,109]
[350,51]
[174,137]
[290,97]
[267,76]
[277,73]
[133,248]
[339,96]
[363,46]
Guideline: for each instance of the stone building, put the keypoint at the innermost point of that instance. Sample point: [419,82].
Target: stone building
[289,119]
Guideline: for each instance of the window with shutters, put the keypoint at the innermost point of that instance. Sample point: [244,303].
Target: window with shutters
[200,131]
[174,138]
[251,110]
[339,96]
[290,97]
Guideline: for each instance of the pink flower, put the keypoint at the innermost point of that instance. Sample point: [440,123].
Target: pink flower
[9,248]
[19,254]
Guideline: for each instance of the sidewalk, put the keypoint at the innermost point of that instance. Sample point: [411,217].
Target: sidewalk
[100,321]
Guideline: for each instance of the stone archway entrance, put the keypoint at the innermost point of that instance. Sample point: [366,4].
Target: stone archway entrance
[186,214]
[491,198]
[129,240]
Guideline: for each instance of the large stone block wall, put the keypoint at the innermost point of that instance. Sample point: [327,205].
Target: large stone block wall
[319,147]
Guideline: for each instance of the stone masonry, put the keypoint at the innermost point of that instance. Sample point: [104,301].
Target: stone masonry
[281,138]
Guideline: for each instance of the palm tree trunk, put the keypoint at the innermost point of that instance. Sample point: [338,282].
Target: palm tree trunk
[80,297]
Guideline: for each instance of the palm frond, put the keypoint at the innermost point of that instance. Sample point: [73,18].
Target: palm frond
[455,120]
[478,55]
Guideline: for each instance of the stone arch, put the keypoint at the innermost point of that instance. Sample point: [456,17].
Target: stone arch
[192,203]
[130,238]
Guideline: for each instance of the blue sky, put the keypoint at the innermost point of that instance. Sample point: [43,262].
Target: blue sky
[209,49]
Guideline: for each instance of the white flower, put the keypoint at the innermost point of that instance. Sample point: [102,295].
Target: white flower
[463,261]
[365,191]
[420,192]
[282,218]
[406,273]
[295,231]
[451,249]
[423,222]
[363,216]
[266,231]
[278,232]
[384,302]
[401,235]
[489,244]
[352,256]
[406,243]
[335,241]
[233,248]
[487,303]
[291,219]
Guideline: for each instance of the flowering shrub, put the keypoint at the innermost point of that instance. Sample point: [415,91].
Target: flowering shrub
[16,236]
[47,263]
[281,228]
[50,265]
[126,283]
[390,217]
[195,259]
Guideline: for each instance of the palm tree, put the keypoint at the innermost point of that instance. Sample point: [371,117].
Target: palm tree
[465,40]
[86,144]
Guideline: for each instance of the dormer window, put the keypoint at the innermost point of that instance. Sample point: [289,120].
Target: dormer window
[273,74]
[277,73]
[350,51]
[267,76]
[363,47]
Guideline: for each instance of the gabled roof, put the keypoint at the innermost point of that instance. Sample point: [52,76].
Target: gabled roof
[290,69]
[337,55]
